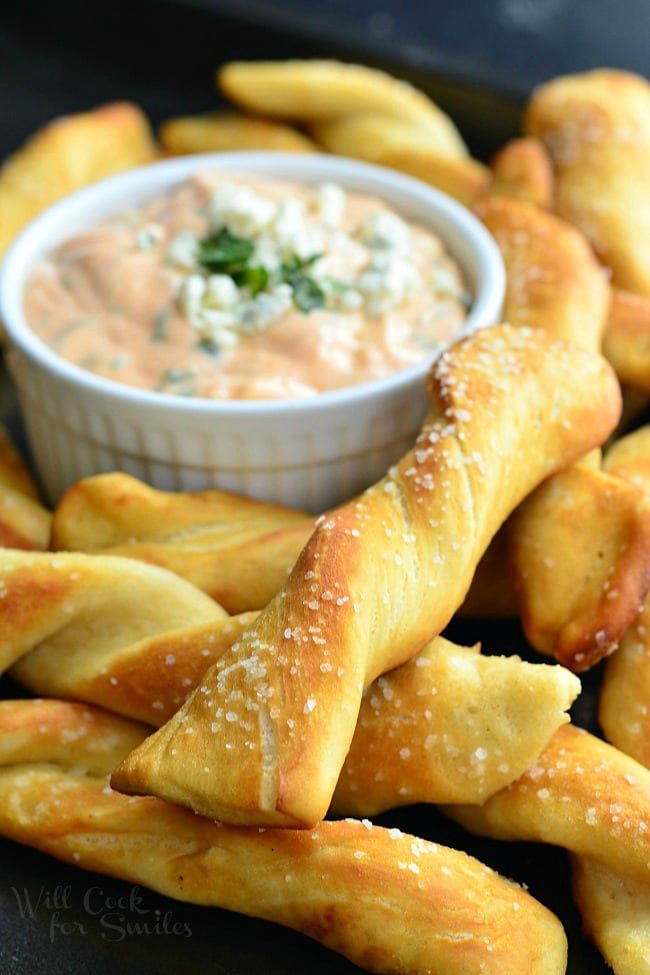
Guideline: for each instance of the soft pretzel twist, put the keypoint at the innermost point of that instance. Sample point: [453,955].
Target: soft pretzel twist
[596,127]
[379,578]
[239,550]
[582,794]
[390,902]
[77,603]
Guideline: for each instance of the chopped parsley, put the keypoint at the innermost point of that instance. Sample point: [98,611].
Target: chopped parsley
[225,253]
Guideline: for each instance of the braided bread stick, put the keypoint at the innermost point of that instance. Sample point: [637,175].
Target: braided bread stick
[236,549]
[596,127]
[390,902]
[597,524]
[274,718]
[453,725]
[554,283]
[582,794]
[90,603]
[590,798]
[580,547]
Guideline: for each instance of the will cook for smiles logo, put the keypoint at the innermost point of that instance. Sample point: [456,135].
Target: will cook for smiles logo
[115,917]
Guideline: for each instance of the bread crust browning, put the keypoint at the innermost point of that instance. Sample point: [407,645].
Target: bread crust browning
[582,794]
[390,902]
[236,549]
[277,713]
[596,127]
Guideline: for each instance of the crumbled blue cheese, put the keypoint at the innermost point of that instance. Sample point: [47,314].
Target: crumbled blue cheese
[388,281]
[381,276]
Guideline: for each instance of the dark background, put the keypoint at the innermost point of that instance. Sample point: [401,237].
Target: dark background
[479,60]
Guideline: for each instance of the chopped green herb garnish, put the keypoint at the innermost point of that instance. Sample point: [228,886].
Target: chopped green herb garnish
[224,253]
[253,278]
[307,292]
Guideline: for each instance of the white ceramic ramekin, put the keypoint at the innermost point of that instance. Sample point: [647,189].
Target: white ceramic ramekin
[310,454]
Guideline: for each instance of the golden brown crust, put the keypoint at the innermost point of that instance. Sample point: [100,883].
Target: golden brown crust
[580,551]
[67,154]
[490,722]
[626,342]
[553,280]
[24,521]
[582,794]
[281,705]
[388,901]
[318,89]
[596,127]
[615,911]
[236,549]
[448,726]
[228,131]
[70,602]
[522,168]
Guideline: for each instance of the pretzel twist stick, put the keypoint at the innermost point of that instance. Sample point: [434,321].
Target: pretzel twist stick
[623,709]
[69,153]
[579,614]
[615,911]
[379,577]
[450,723]
[455,726]
[582,794]
[390,902]
[580,547]
[72,600]
[227,131]
[408,146]
[236,549]
[553,280]
[316,90]
[596,127]
[24,521]
[553,283]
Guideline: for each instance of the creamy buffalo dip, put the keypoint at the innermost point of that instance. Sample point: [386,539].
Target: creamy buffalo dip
[238,287]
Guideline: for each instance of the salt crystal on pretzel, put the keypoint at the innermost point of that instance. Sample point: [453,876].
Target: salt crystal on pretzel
[388,901]
[580,548]
[592,521]
[596,127]
[453,725]
[379,577]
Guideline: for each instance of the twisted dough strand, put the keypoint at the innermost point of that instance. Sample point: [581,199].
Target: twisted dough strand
[390,902]
[381,576]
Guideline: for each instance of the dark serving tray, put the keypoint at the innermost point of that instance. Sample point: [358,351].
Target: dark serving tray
[479,60]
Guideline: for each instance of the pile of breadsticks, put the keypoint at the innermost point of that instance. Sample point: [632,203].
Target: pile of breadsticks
[286,677]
